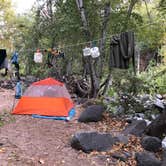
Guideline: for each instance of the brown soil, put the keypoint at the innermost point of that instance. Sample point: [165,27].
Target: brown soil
[26,141]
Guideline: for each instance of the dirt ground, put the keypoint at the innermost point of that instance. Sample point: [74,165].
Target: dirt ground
[26,141]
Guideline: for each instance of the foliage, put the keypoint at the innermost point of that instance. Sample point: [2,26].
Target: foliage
[155,79]
[62,27]
[7,17]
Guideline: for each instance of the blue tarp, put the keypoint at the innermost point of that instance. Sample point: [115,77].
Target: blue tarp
[65,118]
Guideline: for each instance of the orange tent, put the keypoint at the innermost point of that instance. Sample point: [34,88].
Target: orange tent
[47,97]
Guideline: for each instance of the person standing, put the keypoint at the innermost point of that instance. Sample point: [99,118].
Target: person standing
[14,61]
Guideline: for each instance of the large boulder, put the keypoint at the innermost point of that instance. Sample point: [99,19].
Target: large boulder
[152,144]
[137,128]
[158,126]
[122,138]
[147,159]
[90,141]
[92,113]
[164,158]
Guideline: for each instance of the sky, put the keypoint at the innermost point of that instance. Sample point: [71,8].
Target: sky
[22,5]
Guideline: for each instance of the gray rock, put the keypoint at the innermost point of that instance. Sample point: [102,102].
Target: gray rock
[119,156]
[145,97]
[157,127]
[140,115]
[147,159]
[152,144]
[164,143]
[92,114]
[119,110]
[159,103]
[159,96]
[90,141]
[122,138]
[148,122]
[137,128]
[164,158]
[153,117]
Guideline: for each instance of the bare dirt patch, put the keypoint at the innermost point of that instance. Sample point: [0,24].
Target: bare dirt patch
[26,141]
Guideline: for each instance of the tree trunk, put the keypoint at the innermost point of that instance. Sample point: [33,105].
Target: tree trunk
[129,12]
[88,60]
[103,36]
[147,10]
[131,6]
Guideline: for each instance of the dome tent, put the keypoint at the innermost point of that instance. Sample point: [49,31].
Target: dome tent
[47,98]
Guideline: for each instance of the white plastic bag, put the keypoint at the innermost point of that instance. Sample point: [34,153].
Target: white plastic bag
[38,57]
[95,52]
[86,51]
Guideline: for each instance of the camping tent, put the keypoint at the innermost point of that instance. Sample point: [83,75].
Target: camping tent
[47,98]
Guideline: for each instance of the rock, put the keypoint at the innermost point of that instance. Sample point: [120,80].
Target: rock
[164,158]
[164,143]
[137,118]
[145,98]
[157,127]
[122,138]
[164,96]
[153,117]
[90,141]
[92,114]
[152,144]
[148,122]
[119,156]
[119,110]
[148,105]
[159,104]
[140,115]
[147,159]
[137,128]
[159,96]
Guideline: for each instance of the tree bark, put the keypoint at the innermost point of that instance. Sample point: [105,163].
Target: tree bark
[131,6]
[129,12]
[103,35]
[88,60]
[147,10]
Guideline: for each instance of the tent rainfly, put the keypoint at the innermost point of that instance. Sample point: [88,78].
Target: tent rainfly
[48,99]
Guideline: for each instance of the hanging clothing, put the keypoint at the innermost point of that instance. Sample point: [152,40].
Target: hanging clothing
[3,55]
[14,61]
[86,51]
[38,57]
[4,64]
[49,59]
[14,58]
[95,52]
[122,50]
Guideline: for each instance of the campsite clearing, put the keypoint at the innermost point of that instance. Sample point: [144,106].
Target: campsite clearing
[27,141]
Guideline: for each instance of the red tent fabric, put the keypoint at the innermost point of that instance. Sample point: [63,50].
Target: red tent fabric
[48,81]
[47,97]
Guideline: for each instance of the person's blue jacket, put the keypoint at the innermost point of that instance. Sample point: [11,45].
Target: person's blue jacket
[14,58]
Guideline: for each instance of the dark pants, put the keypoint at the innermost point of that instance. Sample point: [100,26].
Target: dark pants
[17,70]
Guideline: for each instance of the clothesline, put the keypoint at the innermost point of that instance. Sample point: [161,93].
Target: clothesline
[91,41]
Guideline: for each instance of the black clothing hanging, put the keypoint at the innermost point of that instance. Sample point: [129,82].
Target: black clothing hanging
[121,50]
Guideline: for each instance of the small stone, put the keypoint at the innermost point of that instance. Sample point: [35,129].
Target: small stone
[159,96]
[41,161]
